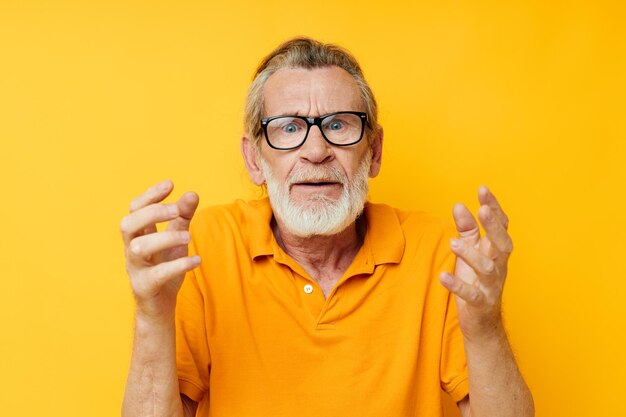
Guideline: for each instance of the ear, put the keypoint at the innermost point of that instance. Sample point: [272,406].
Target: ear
[250,157]
[377,152]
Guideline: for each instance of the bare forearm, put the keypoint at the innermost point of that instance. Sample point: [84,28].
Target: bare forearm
[496,385]
[152,384]
[156,262]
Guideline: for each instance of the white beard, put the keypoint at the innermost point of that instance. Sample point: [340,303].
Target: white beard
[319,215]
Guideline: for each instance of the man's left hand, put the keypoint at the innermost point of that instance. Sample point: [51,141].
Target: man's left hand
[481,266]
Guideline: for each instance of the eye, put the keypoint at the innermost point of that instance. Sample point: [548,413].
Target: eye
[290,128]
[335,125]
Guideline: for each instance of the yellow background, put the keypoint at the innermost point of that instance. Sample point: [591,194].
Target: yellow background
[98,100]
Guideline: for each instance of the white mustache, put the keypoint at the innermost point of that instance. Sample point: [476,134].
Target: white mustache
[317,174]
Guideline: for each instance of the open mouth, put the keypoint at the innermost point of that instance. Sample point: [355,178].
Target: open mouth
[311,185]
[317,184]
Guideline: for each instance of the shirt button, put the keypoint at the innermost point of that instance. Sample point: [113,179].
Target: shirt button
[308,288]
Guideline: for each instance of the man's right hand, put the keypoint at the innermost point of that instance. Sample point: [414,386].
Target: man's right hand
[157,261]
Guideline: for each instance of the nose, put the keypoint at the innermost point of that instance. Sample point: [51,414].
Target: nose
[315,149]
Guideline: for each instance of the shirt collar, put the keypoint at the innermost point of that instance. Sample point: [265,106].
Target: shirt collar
[384,236]
[258,214]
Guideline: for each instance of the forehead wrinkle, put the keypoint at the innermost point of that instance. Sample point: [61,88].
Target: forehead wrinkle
[311,93]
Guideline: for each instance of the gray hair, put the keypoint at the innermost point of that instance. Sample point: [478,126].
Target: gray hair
[308,54]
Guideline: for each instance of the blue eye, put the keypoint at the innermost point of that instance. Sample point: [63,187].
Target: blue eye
[335,125]
[290,128]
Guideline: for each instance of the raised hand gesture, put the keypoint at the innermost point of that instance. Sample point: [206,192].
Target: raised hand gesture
[157,261]
[481,266]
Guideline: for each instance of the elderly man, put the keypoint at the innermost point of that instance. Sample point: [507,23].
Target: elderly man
[314,302]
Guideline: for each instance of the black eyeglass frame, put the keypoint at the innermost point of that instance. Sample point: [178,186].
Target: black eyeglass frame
[314,121]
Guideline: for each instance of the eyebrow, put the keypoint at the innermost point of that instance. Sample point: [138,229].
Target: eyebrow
[300,114]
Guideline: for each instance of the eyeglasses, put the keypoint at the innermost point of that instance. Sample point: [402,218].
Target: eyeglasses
[342,128]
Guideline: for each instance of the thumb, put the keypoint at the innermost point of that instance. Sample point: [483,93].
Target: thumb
[187,205]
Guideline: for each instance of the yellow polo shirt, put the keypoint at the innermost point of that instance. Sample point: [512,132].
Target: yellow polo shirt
[256,337]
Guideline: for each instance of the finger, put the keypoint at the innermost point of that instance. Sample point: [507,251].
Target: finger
[487,198]
[152,195]
[457,286]
[165,271]
[136,222]
[495,232]
[187,205]
[466,224]
[143,247]
[484,267]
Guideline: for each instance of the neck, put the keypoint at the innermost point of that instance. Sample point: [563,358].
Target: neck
[324,258]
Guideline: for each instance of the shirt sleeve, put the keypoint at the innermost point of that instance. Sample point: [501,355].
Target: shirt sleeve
[453,366]
[193,358]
